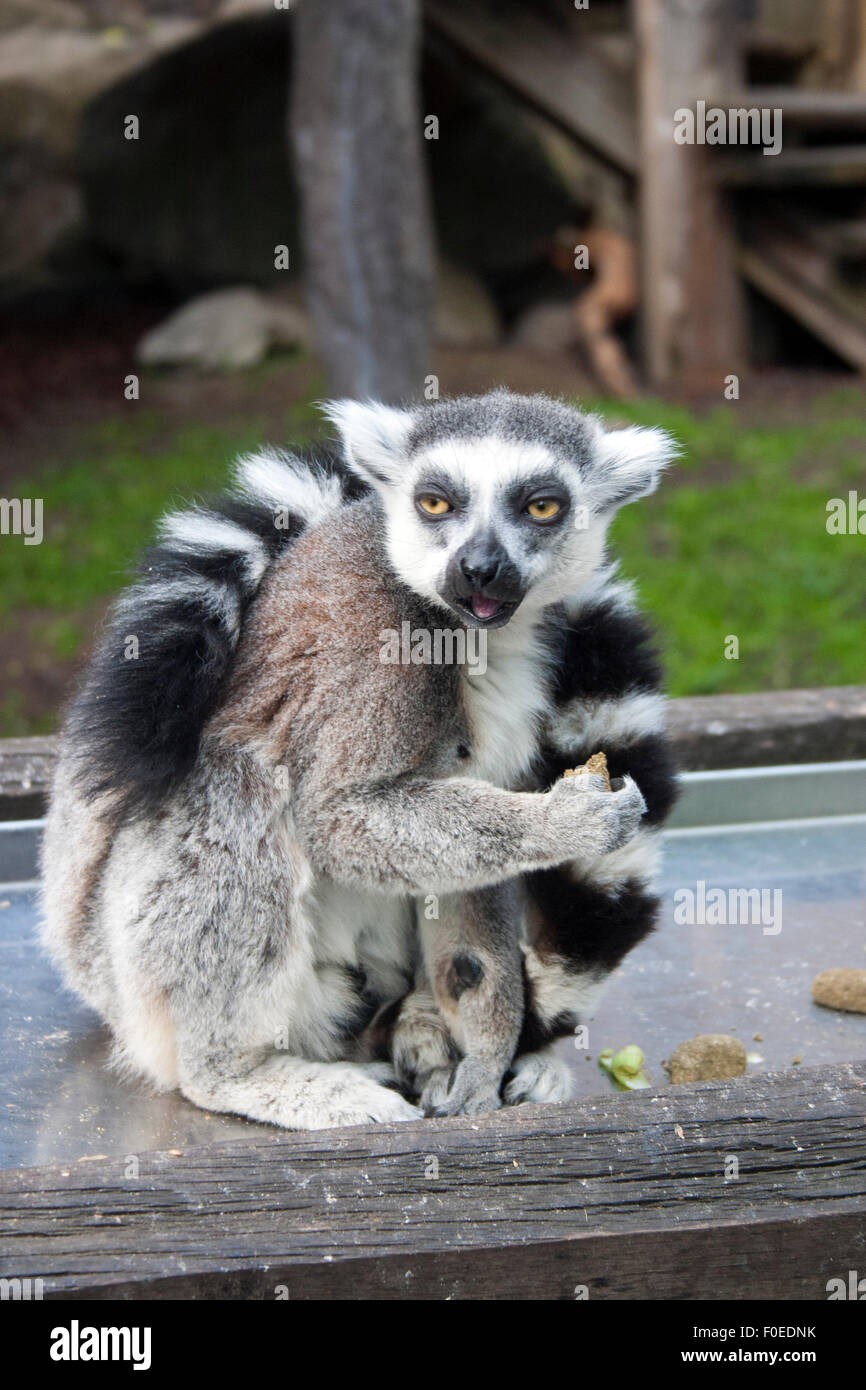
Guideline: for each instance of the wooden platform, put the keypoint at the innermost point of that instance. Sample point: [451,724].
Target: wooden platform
[627,1197]
[748,1189]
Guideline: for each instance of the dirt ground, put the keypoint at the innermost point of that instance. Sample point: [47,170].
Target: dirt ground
[56,378]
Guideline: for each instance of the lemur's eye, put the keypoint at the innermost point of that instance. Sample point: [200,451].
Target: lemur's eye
[544,508]
[434,506]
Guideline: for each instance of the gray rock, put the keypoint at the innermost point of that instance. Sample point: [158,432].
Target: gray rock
[225,330]
[548,329]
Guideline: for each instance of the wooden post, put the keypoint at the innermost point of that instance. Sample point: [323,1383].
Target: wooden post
[357,131]
[691,298]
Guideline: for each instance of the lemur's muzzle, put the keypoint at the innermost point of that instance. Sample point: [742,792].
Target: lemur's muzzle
[482,583]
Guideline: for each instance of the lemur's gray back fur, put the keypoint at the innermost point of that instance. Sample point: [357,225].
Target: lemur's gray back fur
[276,864]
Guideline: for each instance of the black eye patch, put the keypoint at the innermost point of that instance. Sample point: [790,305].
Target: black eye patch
[519,495]
[440,485]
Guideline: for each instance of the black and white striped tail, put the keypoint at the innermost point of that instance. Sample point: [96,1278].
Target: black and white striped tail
[584,919]
[164,653]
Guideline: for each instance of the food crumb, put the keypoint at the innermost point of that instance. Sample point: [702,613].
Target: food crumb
[597,765]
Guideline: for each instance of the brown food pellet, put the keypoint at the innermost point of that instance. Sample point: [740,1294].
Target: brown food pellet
[707,1057]
[841,988]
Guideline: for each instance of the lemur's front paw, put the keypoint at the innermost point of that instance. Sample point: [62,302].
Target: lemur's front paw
[435,1090]
[591,819]
[630,808]
[473,1091]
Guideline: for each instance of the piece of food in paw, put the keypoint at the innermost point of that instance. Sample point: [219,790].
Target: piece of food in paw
[843,988]
[597,764]
[707,1057]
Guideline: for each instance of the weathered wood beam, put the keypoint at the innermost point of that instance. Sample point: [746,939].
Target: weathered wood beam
[26,768]
[692,302]
[629,1196]
[788,287]
[801,106]
[708,731]
[770,728]
[563,74]
[807,165]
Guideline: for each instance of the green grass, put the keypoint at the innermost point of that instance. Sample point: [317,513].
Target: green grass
[738,546]
[99,512]
[734,544]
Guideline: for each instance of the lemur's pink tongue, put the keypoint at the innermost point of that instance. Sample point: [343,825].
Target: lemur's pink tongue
[485,607]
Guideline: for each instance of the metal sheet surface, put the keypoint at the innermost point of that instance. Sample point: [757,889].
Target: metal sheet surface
[749,976]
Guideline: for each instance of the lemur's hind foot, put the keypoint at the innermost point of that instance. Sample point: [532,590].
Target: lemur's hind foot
[297,1094]
[473,1090]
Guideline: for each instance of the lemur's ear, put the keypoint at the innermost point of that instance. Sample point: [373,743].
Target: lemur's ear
[629,463]
[374,438]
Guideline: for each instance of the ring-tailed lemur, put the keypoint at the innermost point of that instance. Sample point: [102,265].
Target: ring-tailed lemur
[273,858]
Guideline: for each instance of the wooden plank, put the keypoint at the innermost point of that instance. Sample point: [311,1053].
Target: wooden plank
[823,240]
[773,727]
[840,61]
[802,106]
[794,21]
[791,241]
[631,1196]
[707,731]
[559,72]
[692,306]
[818,165]
[845,239]
[773,276]
[26,768]
[765,44]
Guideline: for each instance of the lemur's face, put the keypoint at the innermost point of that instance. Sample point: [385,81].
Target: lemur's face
[482,525]
[497,502]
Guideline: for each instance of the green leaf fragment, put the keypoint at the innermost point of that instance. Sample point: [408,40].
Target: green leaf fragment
[625,1067]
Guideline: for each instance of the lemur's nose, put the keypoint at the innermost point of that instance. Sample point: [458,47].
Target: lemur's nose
[479,569]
